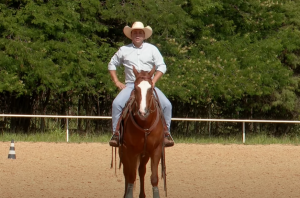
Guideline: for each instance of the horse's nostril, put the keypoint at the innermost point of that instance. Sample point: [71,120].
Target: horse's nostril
[142,113]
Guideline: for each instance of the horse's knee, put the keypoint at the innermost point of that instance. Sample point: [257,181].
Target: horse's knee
[142,171]
[154,180]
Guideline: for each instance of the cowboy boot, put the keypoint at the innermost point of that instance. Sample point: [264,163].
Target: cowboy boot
[115,139]
[168,140]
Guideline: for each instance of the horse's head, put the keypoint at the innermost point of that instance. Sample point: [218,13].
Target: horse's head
[143,90]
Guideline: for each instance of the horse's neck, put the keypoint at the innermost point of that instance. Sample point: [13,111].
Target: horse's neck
[150,121]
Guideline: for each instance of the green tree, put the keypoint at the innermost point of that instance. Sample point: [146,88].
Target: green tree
[225,58]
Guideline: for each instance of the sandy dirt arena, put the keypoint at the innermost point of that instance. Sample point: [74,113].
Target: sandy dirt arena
[213,170]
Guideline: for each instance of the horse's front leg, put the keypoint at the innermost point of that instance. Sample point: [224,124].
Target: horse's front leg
[129,191]
[128,187]
[126,184]
[154,175]
[142,171]
[129,170]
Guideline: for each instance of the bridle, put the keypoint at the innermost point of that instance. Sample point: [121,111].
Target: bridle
[153,102]
[146,130]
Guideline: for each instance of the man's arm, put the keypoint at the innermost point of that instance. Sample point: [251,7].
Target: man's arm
[115,79]
[161,65]
[157,76]
[112,66]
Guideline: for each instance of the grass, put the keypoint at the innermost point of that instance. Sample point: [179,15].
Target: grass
[249,140]
[60,136]
[54,136]
[265,139]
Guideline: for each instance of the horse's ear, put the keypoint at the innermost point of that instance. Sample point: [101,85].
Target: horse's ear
[135,71]
[152,71]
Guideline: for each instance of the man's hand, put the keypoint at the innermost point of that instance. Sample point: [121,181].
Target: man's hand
[157,76]
[120,85]
[153,83]
[114,77]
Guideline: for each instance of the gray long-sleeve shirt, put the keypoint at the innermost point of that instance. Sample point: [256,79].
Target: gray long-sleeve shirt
[143,58]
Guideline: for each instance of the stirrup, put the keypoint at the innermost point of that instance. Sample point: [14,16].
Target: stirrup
[115,140]
[168,140]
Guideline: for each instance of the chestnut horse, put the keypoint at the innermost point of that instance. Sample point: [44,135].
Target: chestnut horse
[142,137]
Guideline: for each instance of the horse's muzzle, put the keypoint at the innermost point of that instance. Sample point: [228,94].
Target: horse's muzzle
[143,114]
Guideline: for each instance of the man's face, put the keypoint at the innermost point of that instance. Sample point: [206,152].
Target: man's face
[137,37]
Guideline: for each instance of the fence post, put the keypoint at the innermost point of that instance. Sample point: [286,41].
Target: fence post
[244,133]
[67,130]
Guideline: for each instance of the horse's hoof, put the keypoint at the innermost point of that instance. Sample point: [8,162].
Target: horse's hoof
[155,192]
[129,193]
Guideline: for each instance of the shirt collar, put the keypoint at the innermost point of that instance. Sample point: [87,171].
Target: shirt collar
[138,47]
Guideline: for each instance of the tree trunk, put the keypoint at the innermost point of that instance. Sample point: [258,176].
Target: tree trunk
[63,109]
[21,105]
[44,103]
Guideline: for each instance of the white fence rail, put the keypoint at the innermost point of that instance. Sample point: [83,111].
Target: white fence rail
[174,119]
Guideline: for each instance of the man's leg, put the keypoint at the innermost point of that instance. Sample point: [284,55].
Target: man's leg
[117,108]
[167,111]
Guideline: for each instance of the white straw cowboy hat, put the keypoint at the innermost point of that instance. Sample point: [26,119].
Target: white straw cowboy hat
[137,26]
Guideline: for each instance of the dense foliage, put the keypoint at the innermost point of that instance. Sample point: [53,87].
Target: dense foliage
[226,59]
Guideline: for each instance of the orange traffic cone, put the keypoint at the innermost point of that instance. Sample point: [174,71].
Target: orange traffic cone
[12,153]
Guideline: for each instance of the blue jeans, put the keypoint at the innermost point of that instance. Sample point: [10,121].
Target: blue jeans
[121,99]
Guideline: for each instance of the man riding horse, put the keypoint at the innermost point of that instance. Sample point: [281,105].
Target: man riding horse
[143,56]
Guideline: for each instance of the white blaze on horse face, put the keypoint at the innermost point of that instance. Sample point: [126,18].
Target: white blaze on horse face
[144,85]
